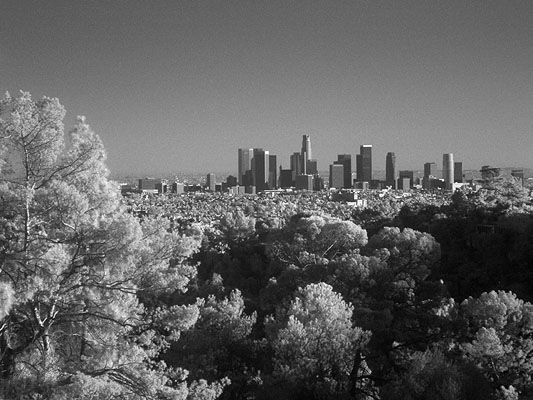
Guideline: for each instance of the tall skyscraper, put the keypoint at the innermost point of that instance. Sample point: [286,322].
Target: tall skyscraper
[306,152]
[447,170]
[286,179]
[272,172]
[458,171]
[364,163]
[346,161]
[296,165]
[245,164]
[261,169]
[390,170]
[336,176]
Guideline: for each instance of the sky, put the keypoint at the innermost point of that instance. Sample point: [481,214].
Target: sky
[178,86]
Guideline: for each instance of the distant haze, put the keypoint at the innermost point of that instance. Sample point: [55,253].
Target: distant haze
[179,86]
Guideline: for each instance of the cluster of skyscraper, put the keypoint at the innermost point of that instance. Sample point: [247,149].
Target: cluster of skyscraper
[258,170]
[452,172]
[340,172]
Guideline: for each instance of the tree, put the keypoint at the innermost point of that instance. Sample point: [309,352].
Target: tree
[409,257]
[72,264]
[432,375]
[316,346]
[219,344]
[315,239]
[498,338]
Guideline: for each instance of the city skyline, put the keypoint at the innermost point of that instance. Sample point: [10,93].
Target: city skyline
[178,86]
[258,168]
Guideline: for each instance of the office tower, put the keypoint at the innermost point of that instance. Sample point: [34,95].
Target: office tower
[318,183]
[272,172]
[447,170]
[430,169]
[245,164]
[296,164]
[248,178]
[406,180]
[390,170]
[178,188]
[306,153]
[408,174]
[336,176]
[211,182]
[286,179]
[261,169]
[429,181]
[458,171]
[304,182]
[404,183]
[312,167]
[162,187]
[364,163]
[346,161]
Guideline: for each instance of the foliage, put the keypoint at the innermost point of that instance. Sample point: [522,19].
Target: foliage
[314,240]
[315,344]
[499,328]
[73,262]
[430,374]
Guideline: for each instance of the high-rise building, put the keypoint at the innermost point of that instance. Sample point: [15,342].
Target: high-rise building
[458,171]
[272,172]
[430,181]
[306,152]
[261,169]
[286,179]
[364,163]
[178,188]
[404,183]
[304,182]
[390,170]
[211,182]
[318,183]
[447,170]
[162,187]
[312,167]
[296,165]
[346,161]
[406,180]
[244,164]
[336,176]
[430,169]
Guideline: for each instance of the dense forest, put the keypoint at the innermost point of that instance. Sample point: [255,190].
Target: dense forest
[294,296]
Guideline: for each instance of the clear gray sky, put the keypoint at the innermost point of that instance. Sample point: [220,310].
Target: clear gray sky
[179,86]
